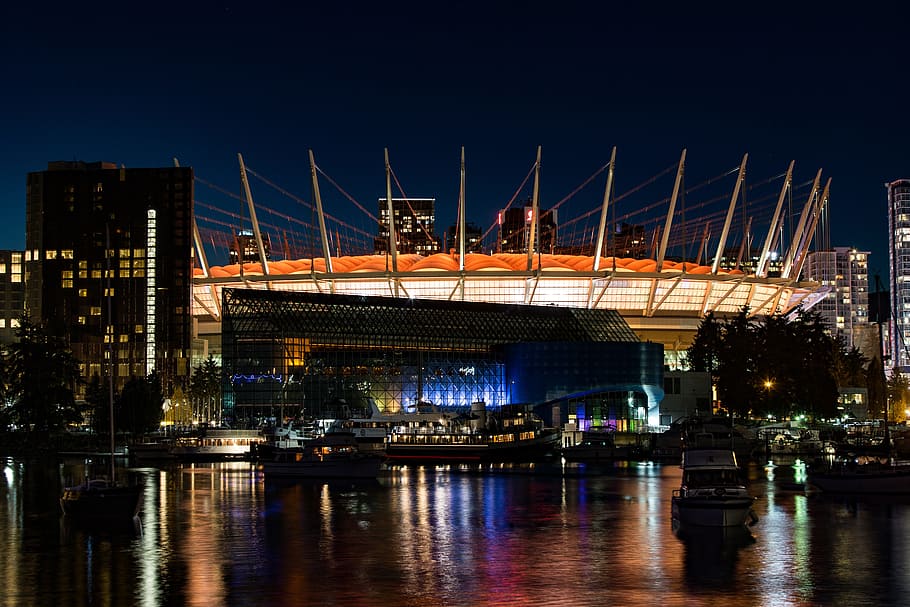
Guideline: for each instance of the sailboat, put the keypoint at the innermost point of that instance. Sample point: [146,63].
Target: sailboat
[99,499]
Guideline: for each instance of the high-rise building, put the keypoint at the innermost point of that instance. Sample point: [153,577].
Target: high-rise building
[473,238]
[109,263]
[515,230]
[899,259]
[12,294]
[845,309]
[245,249]
[415,222]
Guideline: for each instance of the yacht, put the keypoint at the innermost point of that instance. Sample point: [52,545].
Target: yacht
[712,492]
[332,455]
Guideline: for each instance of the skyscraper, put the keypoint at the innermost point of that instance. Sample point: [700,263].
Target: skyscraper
[899,258]
[415,224]
[12,294]
[845,309]
[109,265]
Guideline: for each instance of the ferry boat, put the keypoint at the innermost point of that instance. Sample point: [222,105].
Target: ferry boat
[427,434]
[712,492]
[511,434]
[215,444]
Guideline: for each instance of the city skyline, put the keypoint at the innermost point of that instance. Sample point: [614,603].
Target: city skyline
[206,83]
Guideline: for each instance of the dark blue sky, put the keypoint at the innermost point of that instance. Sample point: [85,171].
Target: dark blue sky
[202,81]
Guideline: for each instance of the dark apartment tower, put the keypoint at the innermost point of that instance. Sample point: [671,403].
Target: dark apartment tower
[109,266]
[415,224]
[515,230]
[12,294]
[472,238]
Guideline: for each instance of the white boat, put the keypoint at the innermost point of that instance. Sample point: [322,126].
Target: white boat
[215,445]
[712,493]
[333,455]
[281,437]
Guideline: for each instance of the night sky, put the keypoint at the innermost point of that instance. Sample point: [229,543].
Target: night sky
[203,81]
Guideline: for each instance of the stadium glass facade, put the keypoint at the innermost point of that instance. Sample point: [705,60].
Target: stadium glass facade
[293,354]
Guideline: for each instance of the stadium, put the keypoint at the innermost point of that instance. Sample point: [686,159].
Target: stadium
[661,262]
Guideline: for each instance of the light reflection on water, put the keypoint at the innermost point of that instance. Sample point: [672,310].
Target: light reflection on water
[219,534]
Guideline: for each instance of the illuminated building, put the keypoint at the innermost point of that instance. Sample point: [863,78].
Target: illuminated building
[662,298]
[314,354]
[415,222]
[12,293]
[846,306]
[109,265]
[899,258]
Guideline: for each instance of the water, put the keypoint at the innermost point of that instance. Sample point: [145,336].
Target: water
[219,534]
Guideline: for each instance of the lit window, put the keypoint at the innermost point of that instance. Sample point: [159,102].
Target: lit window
[66,274]
[96,273]
[2,323]
[138,273]
[95,311]
[124,253]
[83,273]
[15,278]
[2,268]
[124,339]
[81,320]
[50,254]
[109,292]
[16,258]
[124,273]
[14,323]
[66,253]
[138,329]
[66,283]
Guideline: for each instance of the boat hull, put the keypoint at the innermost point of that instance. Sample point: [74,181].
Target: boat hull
[362,468]
[712,512]
[878,482]
[89,503]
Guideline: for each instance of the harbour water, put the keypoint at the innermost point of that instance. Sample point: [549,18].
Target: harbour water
[220,534]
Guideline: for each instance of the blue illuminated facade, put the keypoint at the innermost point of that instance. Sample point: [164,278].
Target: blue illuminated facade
[311,355]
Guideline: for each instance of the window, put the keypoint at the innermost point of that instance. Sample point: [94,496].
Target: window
[95,311]
[138,329]
[81,320]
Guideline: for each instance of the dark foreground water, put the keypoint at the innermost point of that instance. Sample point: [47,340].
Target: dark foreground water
[219,534]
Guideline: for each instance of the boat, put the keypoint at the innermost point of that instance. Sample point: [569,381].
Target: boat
[512,434]
[217,444]
[863,475]
[715,432]
[281,437]
[100,499]
[594,446]
[332,455]
[712,492]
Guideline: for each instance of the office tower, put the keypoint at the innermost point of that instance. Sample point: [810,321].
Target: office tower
[515,230]
[415,221]
[473,236]
[899,258]
[109,266]
[845,309]
[12,294]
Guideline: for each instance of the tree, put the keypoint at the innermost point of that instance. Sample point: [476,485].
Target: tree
[205,390]
[774,366]
[138,409]
[898,388]
[41,374]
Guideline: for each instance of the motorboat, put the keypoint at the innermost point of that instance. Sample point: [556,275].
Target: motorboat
[862,474]
[594,447]
[332,455]
[712,492]
[282,437]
